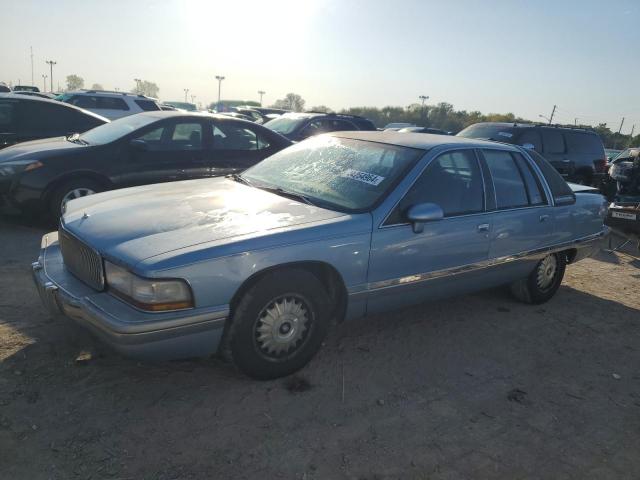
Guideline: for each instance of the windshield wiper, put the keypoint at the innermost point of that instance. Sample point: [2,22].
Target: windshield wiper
[240,179]
[75,138]
[285,193]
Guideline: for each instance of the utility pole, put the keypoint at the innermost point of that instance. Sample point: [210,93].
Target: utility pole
[193,99]
[553,112]
[51,63]
[261,93]
[424,99]
[44,82]
[186,91]
[32,81]
[138,81]
[575,121]
[219,78]
[621,123]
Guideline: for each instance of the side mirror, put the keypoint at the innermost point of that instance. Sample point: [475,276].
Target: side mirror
[529,146]
[139,145]
[422,213]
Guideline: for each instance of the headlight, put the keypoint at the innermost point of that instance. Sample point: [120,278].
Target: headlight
[155,295]
[11,168]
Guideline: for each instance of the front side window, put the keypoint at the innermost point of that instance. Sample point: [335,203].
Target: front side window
[552,141]
[452,181]
[117,129]
[230,136]
[44,118]
[337,173]
[507,180]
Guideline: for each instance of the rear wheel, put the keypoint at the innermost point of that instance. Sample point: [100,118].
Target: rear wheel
[544,280]
[279,324]
[70,190]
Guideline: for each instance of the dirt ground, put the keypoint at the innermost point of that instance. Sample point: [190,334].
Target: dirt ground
[479,387]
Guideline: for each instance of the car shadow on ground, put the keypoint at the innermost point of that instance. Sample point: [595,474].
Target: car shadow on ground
[478,386]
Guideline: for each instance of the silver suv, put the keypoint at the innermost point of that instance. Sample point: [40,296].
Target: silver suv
[112,105]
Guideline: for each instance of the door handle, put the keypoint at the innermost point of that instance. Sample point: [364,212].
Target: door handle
[483,227]
[544,218]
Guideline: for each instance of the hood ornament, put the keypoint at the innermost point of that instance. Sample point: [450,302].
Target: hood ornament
[85,215]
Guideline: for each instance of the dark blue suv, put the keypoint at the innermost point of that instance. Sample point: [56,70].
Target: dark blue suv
[298,126]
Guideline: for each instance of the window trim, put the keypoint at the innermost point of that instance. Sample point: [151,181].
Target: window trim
[484,211]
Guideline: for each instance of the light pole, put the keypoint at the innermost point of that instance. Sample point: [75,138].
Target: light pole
[261,93]
[546,118]
[51,64]
[32,80]
[193,99]
[186,91]
[138,81]
[44,82]
[219,78]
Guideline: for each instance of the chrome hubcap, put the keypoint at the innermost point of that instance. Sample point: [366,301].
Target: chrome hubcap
[547,271]
[282,325]
[75,193]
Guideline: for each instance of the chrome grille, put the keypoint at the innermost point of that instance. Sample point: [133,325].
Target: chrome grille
[81,260]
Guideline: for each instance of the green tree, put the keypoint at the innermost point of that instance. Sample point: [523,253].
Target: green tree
[74,82]
[145,87]
[292,101]
[97,86]
[321,108]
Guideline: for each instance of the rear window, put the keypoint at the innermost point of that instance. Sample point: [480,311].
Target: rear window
[584,143]
[499,133]
[558,186]
[147,105]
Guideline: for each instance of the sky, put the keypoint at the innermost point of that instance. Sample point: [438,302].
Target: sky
[495,56]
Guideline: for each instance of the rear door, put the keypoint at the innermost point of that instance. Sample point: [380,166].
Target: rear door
[523,218]
[235,146]
[554,149]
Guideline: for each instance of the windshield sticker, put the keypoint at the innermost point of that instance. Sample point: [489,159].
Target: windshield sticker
[505,134]
[364,177]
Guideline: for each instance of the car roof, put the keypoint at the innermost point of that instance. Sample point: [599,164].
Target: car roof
[34,98]
[423,141]
[538,125]
[160,114]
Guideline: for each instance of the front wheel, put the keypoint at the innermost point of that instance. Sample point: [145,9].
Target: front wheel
[279,324]
[543,282]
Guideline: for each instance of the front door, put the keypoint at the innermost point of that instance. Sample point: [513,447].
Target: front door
[235,147]
[170,151]
[407,267]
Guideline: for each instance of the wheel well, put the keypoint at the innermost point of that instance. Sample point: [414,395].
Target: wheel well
[102,180]
[328,276]
[570,254]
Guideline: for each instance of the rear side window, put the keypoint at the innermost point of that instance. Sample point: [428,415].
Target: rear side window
[7,113]
[552,141]
[531,181]
[532,137]
[341,125]
[229,136]
[147,105]
[507,179]
[490,131]
[111,103]
[578,142]
[43,118]
[559,188]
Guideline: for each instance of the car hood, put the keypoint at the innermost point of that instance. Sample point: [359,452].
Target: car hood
[43,147]
[134,224]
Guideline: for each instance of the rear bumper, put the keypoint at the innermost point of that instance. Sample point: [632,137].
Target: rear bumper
[158,336]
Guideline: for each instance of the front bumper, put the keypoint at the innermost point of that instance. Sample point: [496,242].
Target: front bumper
[132,332]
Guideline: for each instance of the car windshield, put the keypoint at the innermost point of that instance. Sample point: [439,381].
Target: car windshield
[110,132]
[283,125]
[337,173]
[499,133]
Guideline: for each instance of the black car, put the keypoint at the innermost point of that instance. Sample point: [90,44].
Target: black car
[151,147]
[298,126]
[577,153]
[24,117]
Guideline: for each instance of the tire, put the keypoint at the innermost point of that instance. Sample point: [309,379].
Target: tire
[539,286]
[278,325]
[82,187]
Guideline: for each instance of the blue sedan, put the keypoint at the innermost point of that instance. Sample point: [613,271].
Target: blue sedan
[257,266]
